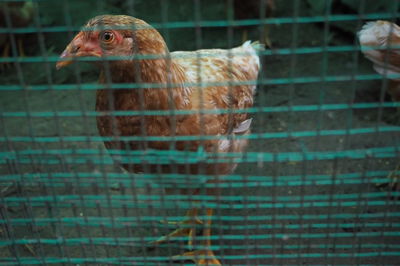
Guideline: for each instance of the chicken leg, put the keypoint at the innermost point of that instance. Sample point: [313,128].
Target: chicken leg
[205,255]
[187,228]
[6,52]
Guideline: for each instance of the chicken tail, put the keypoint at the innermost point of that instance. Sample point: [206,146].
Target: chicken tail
[258,47]
[255,47]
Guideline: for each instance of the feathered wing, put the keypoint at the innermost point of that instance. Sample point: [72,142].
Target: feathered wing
[223,79]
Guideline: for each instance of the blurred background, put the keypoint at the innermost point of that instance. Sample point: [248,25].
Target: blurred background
[317,186]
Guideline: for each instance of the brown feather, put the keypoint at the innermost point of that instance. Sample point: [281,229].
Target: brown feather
[173,75]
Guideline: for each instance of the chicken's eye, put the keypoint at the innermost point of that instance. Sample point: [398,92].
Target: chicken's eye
[107,36]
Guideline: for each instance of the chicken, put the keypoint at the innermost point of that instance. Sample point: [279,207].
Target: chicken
[191,81]
[385,36]
[380,43]
[13,15]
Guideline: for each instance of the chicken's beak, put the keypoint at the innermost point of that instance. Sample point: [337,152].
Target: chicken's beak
[66,58]
[77,48]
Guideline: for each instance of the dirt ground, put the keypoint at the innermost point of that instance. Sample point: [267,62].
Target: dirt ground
[318,200]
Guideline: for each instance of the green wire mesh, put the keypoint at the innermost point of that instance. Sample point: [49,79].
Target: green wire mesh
[314,187]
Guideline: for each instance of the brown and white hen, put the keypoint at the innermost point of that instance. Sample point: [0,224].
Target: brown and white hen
[208,80]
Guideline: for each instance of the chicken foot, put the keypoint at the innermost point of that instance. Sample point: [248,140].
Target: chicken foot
[205,255]
[187,227]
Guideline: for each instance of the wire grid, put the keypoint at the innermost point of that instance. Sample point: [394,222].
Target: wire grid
[305,191]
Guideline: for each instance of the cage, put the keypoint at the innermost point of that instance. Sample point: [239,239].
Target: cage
[317,183]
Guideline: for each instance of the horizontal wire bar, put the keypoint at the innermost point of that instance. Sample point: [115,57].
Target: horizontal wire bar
[205,198]
[185,181]
[219,23]
[261,109]
[148,259]
[233,218]
[193,184]
[266,52]
[271,81]
[127,240]
[117,176]
[263,246]
[167,157]
[122,222]
[272,135]
[277,109]
[91,202]
[161,184]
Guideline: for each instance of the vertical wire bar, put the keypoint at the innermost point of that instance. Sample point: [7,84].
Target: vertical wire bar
[160,176]
[137,217]
[385,79]
[58,228]
[324,69]
[100,214]
[261,88]
[116,133]
[230,114]
[304,168]
[78,78]
[143,122]
[30,213]
[199,82]
[230,21]
[199,87]
[329,208]
[354,73]
[9,231]
[347,140]
[349,125]
[293,63]
[246,218]
[169,85]
[171,105]
[14,49]
[323,84]
[28,207]
[82,106]
[358,220]
[85,211]
[42,47]
[394,11]
[79,230]
[125,212]
[133,190]
[275,175]
[8,228]
[110,208]
[292,75]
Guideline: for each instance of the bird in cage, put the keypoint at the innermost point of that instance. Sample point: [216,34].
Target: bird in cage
[214,86]
[14,14]
[380,43]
